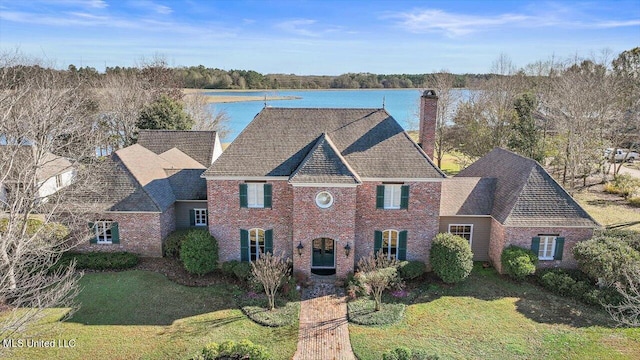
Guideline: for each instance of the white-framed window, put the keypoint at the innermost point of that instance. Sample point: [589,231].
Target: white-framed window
[392,194]
[200,217]
[256,243]
[103,231]
[390,243]
[547,248]
[255,195]
[463,230]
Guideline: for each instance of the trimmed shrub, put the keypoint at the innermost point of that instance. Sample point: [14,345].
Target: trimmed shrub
[199,252]
[173,243]
[52,230]
[605,258]
[411,269]
[227,268]
[632,238]
[244,349]
[451,257]
[576,284]
[404,353]
[98,260]
[242,271]
[518,263]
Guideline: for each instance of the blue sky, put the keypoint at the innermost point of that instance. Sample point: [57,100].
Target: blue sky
[316,37]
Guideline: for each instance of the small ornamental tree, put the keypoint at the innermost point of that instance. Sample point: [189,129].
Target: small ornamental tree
[627,313]
[271,271]
[199,252]
[376,274]
[451,257]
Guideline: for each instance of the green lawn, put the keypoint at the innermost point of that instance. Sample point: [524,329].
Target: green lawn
[142,315]
[607,211]
[489,317]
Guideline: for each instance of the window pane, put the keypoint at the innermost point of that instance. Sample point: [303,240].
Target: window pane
[255,195]
[390,243]
[392,196]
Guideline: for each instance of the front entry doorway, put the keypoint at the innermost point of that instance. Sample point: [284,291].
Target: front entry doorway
[323,256]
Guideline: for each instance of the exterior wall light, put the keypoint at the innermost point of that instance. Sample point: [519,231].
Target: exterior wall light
[347,249]
[300,247]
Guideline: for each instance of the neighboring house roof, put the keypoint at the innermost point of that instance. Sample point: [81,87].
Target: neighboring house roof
[199,145]
[136,179]
[278,140]
[525,194]
[467,196]
[324,164]
[49,164]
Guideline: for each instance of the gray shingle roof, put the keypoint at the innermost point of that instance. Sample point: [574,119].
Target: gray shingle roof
[467,196]
[324,164]
[525,194]
[197,144]
[279,139]
[135,179]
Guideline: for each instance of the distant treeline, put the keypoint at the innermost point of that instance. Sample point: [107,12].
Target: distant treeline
[200,77]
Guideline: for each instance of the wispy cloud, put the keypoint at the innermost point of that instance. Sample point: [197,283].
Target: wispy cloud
[96,4]
[152,6]
[305,27]
[453,24]
[459,24]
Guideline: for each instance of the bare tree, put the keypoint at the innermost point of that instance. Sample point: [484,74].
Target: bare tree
[580,104]
[271,271]
[122,96]
[628,311]
[41,114]
[378,273]
[205,116]
[442,82]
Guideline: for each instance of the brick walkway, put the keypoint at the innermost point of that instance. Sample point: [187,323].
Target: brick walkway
[323,334]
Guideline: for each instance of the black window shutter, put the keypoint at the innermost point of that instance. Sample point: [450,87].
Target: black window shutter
[377,241]
[268,241]
[267,195]
[192,217]
[93,239]
[557,255]
[244,245]
[404,197]
[243,195]
[115,233]
[380,197]
[402,245]
[535,245]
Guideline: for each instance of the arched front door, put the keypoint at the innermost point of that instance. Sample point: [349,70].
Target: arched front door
[323,256]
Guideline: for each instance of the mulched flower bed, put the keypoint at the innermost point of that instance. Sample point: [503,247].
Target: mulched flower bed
[175,272]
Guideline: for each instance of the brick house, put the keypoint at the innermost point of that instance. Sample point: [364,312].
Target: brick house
[151,189]
[329,186]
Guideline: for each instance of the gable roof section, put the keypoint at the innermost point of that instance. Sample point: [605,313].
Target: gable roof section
[180,160]
[467,196]
[525,194]
[324,165]
[198,145]
[278,140]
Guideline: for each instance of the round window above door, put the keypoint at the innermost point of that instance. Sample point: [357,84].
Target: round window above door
[324,199]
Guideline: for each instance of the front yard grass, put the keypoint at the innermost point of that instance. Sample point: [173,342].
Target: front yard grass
[608,209]
[490,317]
[143,315]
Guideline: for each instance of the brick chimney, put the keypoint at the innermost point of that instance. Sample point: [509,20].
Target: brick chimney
[428,112]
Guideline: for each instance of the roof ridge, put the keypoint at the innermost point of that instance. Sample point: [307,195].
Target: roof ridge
[324,138]
[136,183]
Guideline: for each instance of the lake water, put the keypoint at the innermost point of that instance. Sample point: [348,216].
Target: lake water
[403,104]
